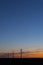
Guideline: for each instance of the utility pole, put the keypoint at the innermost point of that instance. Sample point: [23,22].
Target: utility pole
[13,54]
[21,53]
[8,55]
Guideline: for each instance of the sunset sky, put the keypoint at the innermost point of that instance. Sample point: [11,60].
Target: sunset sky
[21,24]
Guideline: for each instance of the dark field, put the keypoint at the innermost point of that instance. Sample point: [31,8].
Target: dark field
[21,61]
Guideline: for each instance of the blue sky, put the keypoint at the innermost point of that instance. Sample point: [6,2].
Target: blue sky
[21,24]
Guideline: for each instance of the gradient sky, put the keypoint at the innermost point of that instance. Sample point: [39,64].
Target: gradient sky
[21,24]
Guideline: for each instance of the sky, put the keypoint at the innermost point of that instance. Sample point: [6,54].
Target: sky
[21,24]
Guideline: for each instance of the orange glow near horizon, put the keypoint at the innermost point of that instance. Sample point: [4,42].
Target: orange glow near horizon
[33,55]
